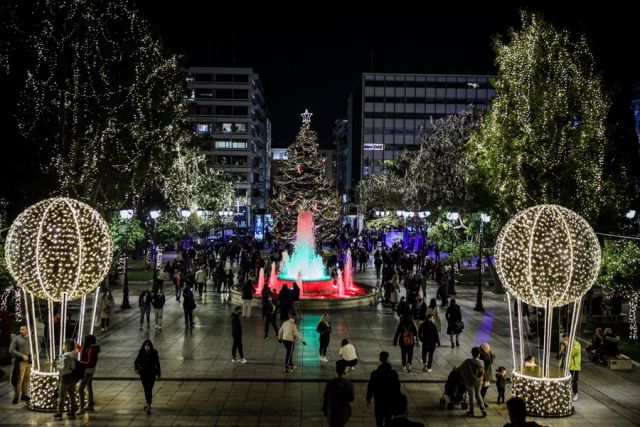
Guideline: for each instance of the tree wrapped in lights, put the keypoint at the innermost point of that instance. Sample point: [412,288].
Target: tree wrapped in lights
[546,256]
[438,173]
[543,141]
[58,250]
[102,101]
[304,186]
[192,184]
[620,274]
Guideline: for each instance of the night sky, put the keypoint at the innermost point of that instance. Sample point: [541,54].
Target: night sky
[310,56]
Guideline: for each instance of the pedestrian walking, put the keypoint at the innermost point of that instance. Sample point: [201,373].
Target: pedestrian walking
[89,351]
[201,279]
[188,305]
[247,298]
[236,334]
[157,301]
[338,394]
[428,334]
[487,357]
[269,308]
[324,329]
[20,350]
[147,366]
[348,353]
[67,384]
[472,370]
[406,336]
[433,310]
[383,387]
[287,335]
[454,322]
[144,303]
[106,306]
[399,411]
[178,284]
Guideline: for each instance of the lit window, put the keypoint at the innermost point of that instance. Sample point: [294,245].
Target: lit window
[202,128]
[227,128]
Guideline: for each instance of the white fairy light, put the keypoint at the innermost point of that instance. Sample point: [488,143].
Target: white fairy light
[59,245]
[547,252]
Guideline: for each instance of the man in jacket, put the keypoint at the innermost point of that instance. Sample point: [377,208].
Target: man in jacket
[472,370]
[428,334]
[144,302]
[20,349]
[201,279]
[287,335]
[236,333]
[338,393]
[157,301]
[247,298]
[383,387]
[188,305]
[575,361]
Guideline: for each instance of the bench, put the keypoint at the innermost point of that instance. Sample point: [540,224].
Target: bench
[620,362]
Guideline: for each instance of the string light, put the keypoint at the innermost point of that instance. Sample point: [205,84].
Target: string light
[12,292]
[59,245]
[547,252]
[544,396]
[303,186]
[544,138]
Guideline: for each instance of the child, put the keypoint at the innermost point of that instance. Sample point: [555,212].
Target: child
[501,383]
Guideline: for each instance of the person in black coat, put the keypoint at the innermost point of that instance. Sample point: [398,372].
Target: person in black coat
[147,365]
[338,394]
[269,308]
[428,334]
[188,304]
[383,387]
[406,336]
[284,300]
[247,298]
[454,322]
[236,334]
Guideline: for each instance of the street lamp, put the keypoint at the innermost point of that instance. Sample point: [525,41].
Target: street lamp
[484,219]
[452,216]
[126,215]
[155,214]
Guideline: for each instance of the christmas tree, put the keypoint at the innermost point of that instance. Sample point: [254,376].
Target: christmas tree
[304,186]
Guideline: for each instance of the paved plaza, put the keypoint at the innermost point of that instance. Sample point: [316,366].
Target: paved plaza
[201,386]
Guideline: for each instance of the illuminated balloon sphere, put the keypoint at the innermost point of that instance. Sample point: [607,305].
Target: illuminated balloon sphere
[547,252]
[59,245]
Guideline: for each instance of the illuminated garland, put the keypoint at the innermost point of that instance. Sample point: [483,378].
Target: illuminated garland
[58,245]
[545,397]
[7,294]
[44,392]
[543,140]
[304,186]
[547,252]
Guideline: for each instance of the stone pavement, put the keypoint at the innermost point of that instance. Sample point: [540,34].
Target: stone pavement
[201,386]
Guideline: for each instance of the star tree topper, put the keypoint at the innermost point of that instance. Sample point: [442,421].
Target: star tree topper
[306,116]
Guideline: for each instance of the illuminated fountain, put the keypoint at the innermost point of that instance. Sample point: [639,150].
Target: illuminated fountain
[306,268]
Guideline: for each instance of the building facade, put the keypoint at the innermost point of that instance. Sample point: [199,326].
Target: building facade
[388,113]
[232,128]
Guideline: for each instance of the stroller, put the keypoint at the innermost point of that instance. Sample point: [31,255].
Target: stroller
[456,390]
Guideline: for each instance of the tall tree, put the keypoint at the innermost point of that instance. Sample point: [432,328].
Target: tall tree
[99,97]
[438,172]
[543,141]
[304,186]
[620,275]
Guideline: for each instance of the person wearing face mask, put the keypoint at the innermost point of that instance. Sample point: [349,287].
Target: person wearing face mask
[428,334]
[147,365]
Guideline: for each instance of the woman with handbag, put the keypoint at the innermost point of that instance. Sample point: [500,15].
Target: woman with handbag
[455,325]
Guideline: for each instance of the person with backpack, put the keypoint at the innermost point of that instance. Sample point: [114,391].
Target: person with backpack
[338,394]
[406,336]
[454,322]
[147,365]
[67,385]
[324,329]
[88,360]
